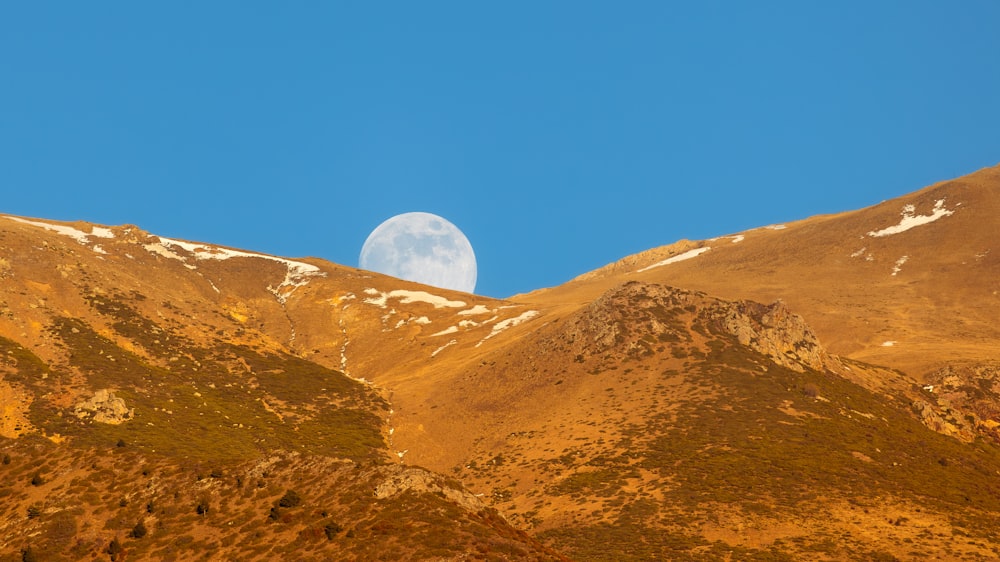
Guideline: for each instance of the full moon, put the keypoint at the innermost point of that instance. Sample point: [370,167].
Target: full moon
[424,248]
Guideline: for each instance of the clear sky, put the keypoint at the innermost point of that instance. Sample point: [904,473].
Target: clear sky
[558,135]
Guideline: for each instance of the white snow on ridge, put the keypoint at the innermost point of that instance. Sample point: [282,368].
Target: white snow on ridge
[446,331]
[203,252]
[378,298]
[443,347]
[478,309]
[101,232]
[738,238]
[509,323]
[910,220]
[298,273]
[899,265]
[74,233]
[679,257]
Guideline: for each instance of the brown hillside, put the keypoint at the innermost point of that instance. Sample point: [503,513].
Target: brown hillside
[791,392]
[932,291]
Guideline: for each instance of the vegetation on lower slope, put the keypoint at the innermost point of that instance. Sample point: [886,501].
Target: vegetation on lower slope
[650,423]
[117,503]
[695,446]
[161,447]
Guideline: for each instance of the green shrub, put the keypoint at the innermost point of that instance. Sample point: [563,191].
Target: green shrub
[139,530]
[115,549]
[290,499]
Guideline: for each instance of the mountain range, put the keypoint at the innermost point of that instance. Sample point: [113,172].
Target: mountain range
[824,389]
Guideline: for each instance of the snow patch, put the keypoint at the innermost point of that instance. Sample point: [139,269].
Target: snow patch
[74,233]
[776,227]
[679,257]
[446,331]
[478,309]
[910,220]
[888,343]
[738,238]
[443,347]
[422,320]
[509,323]
[297,274]
[378,298]
[899,265]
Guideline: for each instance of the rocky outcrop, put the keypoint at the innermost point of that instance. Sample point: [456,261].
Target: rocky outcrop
[104,407]
[642,318]
[775,331]
[396,479]
[944,420]
[962,401]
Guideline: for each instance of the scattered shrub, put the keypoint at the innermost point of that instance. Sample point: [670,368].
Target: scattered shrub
[290,499]
[115,549]
[332,529]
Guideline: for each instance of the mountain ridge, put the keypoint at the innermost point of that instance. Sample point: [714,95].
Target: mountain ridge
[701,400]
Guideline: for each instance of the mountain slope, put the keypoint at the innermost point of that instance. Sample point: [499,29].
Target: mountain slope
[155,381]
[658,423]
[913,283]
[793,392]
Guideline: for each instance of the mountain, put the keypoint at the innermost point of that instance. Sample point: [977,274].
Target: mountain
[913,282]
[819,390]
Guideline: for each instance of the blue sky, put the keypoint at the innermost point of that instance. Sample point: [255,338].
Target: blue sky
[559,136]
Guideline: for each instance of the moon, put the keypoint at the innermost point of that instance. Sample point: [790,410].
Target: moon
[424,248]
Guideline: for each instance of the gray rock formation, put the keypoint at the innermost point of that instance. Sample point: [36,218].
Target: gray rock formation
[104,407]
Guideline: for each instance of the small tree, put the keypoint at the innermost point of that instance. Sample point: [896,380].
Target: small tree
[115,549]
[331,529]
[139,530]
[34,511]
[290,499]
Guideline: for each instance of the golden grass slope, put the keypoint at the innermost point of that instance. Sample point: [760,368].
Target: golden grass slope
[799,391]
[915,299]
